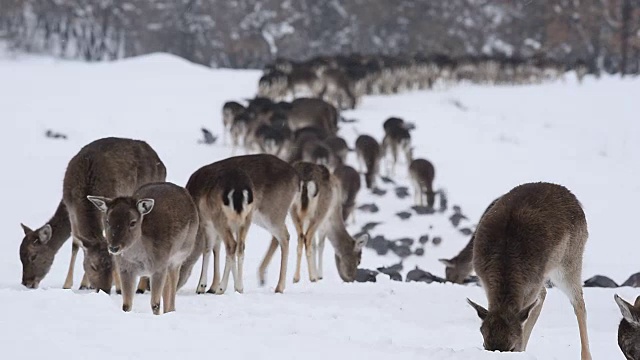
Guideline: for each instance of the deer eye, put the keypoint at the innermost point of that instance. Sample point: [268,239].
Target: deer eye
[132,223]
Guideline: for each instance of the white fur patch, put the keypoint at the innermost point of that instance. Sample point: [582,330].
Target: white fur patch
[312,189]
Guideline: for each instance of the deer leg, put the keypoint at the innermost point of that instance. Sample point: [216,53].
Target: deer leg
[158,281]
[68,282]
[206,256]
[116,278]
[267,259]
[215,283]
[310,247]
[170,289]
[128,289]
[242,237]
[298,224]
[282,235]
[533,318]
[230,261]
[321,239]
[394,158]
[143,285]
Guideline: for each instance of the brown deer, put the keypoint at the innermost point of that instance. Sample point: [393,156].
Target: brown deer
[225,203]
[309,211]
[109,166]
[150,233]
[275,184]
[459,267]
[534,232]
[348,251]
[422,173]
[230,110]
[629,328]
[350,181]
[396,139]
[369,153]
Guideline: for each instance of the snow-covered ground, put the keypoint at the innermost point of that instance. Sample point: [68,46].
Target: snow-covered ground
[482,140]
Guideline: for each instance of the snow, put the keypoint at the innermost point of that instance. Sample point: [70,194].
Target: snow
[583,136]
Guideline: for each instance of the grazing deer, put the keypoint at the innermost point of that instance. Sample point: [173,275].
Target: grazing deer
[396,139]
[150,233]
[109,166]
[422,173]
[338,147]
[532,233]
[230,110]
[306,112]
[368,151]
[350,181]
[274,185]
[309,211]
[459,267]
[225,203]
[629,328]
[348,251]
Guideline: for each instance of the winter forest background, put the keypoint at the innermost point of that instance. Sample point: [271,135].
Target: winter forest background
[603,34]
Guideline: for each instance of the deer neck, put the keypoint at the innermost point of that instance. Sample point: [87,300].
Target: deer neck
[60,227]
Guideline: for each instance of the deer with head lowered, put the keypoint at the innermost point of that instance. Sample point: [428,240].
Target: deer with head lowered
[422,173]
[150,233]
[264,198]
[225,203]
[534,232]
[110,166]
[629,328]
[460,266]
[369,154]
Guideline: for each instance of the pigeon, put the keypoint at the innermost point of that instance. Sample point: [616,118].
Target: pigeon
[209,138]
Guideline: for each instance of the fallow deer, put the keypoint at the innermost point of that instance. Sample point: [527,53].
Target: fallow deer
[350,181]
[422,173]
[230,110]
[309,211]
[225,203]
[338,147]
[534,232]
[275,184]
[369,153]
[459,267]
[396,140]
[629,328]
[348,251]
[307,112]
[110,166]
[150,233]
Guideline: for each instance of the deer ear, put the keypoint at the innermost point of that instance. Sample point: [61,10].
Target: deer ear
[482,312]
[27,230]
[628,312]
[145,206]
[44,233]
[447,263]
[102,203]
[523,315]
[361,242]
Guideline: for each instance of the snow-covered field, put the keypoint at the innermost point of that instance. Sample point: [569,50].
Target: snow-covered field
[586,137]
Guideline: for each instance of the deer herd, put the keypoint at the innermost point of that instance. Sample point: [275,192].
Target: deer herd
[133,226]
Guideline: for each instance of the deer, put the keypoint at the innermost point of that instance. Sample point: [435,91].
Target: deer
[338,147]
[275,184]
[629,328]
[109,166]
[422,172]
[350,182]
[309,210]
[230,110]
[225,201]
[396,139]
[348,251]
[459,267]
[369,153]
[150,233]
[535,232]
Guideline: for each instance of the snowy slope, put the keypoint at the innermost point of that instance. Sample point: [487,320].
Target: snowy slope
[585,137]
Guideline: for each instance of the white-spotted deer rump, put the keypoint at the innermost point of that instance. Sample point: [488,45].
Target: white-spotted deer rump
[225,203]
[150,233]
[533,233]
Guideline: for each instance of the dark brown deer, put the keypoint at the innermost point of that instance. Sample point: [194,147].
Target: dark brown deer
[459,267]
[230,110]
[369,153]
[396,140]
[350,181]
[532,233]
[629,328]
[225,203]
[275,184]
[109,166]
[422,173]
[309,211]
[150,233]
[348,251]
